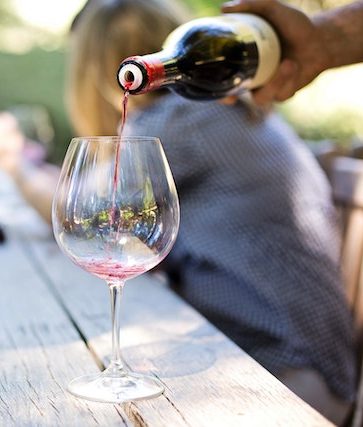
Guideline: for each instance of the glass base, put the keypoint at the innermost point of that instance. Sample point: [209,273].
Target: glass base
[108,387]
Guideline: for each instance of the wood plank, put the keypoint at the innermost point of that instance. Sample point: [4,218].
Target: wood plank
[347,185]
[40,351]
[347,181]
[358,413]
[352,253]
[209,381]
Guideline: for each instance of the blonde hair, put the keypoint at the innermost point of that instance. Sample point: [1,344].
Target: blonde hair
[105,33]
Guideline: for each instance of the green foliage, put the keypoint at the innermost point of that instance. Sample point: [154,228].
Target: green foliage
[7,14]
[204,7]
[341,125]
[37,77]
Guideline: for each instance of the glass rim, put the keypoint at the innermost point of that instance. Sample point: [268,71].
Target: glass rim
[115,138]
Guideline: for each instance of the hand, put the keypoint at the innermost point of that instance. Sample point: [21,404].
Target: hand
[304,55]
[11,143]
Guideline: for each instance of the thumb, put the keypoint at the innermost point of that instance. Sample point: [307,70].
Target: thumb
[259,7]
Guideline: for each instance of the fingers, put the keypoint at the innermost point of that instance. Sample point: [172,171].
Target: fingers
[234,6]
[261,7]
[228,100]
[280,87]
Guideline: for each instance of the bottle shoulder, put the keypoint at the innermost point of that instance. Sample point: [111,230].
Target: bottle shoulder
[240,25]
[196,32]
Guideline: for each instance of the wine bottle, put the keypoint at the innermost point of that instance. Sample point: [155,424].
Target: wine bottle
[207,58]
[2,236]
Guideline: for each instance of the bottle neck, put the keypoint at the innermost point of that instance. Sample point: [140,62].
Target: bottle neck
[141,74]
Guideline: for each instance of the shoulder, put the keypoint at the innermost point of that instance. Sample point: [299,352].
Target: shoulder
[180,122]
[177,110]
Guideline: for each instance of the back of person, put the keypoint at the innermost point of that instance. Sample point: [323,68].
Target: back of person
[258,247]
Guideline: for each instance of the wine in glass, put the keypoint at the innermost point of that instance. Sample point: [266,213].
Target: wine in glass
[116,215]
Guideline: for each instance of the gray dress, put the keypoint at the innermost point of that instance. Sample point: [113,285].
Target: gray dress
[258,247]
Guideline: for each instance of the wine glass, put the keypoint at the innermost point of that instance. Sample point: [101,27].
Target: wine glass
[116,215]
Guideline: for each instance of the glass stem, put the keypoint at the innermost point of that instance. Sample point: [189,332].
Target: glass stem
[116,289]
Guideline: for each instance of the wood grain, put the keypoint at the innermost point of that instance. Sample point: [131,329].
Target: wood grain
[40,351]
[49,308]
[347,185]
[209,381]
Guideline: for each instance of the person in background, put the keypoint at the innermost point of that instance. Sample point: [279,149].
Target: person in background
[24,161]
[258,247]
[95,57]
[329,39]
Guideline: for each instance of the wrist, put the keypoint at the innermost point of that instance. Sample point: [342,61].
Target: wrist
[341,32]
[325,32]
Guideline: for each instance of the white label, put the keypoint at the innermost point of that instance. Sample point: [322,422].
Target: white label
[268,45]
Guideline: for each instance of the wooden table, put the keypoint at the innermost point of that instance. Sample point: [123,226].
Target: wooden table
[55,325]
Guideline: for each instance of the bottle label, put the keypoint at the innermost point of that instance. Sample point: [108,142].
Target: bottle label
[267,43]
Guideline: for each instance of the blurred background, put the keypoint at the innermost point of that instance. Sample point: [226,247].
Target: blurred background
[33,51]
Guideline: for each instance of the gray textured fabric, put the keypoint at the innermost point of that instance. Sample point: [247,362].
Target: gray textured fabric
[258,247]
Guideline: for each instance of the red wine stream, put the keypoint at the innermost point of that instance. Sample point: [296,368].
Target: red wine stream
[117,155]
[108,269]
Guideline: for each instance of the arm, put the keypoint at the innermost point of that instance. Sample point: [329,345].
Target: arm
[342,32]
[310,46]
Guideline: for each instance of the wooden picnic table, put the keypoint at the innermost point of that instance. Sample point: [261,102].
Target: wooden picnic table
[55,325]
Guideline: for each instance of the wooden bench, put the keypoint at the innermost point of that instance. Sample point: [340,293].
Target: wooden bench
[55,325]
[346,175]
